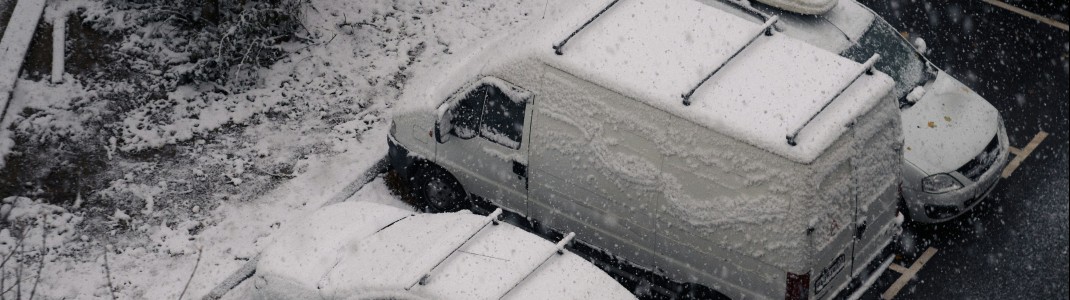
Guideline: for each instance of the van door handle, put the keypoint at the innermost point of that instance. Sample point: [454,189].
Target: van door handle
[520,169]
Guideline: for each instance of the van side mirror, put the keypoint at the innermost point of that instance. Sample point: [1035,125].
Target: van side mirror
[442,125]
[440,135]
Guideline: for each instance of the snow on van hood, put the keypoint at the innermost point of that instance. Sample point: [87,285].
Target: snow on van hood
[948,126]
[370,250]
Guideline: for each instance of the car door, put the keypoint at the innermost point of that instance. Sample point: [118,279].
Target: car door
[488,153]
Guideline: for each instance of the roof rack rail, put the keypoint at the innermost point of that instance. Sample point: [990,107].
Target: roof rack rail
[433,260]
[766,30]
[745,6]
[867,69]
[558,249]
[561,44]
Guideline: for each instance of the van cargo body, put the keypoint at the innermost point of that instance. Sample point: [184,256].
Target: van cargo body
[722,154]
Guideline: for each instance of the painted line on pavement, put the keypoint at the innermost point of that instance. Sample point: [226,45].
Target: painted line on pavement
[907,273]
[898,268]
[1022,154]
[1027,14]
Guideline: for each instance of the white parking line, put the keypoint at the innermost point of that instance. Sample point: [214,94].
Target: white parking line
[1027,14]
[908,273]
[1021,154]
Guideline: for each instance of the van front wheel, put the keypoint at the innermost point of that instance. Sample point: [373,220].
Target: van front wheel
[438,191]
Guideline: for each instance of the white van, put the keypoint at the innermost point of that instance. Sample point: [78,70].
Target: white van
[722,154]
[956,142]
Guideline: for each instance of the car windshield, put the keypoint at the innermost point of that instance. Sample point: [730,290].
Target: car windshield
[898,58]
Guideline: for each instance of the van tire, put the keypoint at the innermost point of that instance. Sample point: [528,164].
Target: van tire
[436,190]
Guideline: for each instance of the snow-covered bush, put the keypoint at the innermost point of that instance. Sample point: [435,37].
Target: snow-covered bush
[32,234]
[238,39]
[31,225]
[223,42]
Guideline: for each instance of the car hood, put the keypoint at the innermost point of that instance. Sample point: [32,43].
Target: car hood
[948,126]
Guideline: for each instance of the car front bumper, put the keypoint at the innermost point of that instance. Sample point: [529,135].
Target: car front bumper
[934,208]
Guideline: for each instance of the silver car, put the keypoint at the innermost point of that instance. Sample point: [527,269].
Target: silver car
[955,141]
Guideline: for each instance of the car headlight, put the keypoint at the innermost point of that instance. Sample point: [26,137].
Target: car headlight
[940,183]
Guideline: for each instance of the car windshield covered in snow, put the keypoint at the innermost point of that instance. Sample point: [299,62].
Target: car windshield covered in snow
[898,60]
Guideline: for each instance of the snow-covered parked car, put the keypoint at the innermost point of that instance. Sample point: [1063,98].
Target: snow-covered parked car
[363,250]
[956,142]
[673,135]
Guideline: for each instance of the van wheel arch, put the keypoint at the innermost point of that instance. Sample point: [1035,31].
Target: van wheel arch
[436,189]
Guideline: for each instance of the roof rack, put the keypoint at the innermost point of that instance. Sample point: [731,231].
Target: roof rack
[766,30]
[433,260]
[867,69]
[745,6]
[561,44]
[558,249]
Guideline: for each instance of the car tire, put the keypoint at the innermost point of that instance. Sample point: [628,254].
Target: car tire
[436,190]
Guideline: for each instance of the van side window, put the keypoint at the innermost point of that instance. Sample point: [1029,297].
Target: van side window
[503,118]
[469,111]
[492,113]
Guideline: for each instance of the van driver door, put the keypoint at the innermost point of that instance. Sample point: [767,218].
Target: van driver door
[487,152]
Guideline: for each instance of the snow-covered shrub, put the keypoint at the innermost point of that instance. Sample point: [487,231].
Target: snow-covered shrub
[31,224]
[32,234]
[218,41]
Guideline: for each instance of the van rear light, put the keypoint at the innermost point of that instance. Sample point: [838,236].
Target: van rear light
[798,286]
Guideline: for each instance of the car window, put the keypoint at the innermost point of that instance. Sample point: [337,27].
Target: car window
[898,58]
[503,118]
[468,113]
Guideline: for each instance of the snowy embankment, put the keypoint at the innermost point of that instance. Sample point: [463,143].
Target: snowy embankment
[361,57]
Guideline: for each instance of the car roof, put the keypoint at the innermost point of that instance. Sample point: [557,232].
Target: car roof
[499,260]
[656,51]
[835,31]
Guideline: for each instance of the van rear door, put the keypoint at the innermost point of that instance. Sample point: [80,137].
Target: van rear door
[830,234]
[876,164]
[860,173]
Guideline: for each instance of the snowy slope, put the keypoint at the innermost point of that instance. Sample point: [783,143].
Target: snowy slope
[364,51]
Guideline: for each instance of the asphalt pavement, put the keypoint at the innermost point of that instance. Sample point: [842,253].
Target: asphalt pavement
[1015,244]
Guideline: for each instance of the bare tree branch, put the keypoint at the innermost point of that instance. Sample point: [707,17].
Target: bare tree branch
[107,272]
[200,251]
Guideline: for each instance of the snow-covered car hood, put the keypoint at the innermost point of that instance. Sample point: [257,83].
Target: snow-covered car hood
[330,256]
[948,126]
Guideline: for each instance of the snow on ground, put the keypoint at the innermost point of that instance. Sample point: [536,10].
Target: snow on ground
[360,60]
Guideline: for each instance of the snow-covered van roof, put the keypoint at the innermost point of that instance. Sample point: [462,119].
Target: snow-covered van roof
[769,86]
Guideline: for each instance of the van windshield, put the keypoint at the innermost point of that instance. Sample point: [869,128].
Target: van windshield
[898,58]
